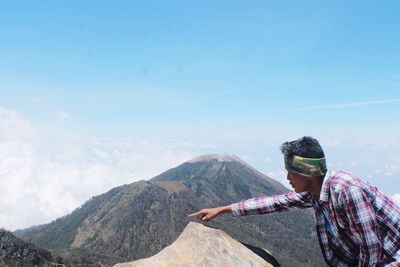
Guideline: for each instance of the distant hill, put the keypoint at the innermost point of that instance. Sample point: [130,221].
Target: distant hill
[138,220]
[15,252]
[129,222]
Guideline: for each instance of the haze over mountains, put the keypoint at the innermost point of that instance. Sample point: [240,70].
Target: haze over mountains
[138,220]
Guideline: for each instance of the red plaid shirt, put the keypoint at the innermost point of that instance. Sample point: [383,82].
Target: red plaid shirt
[357,225]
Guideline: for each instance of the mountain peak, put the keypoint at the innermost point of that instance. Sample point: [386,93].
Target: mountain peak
[216,157]
[222,158]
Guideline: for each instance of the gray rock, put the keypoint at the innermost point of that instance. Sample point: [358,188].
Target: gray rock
[199,245]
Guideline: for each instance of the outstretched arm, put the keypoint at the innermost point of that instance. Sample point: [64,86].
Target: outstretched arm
[277,203]
[209,214]
[260,205]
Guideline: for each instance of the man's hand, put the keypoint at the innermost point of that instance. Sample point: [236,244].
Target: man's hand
[209,214]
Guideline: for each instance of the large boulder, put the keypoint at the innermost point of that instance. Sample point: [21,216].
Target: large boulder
[199,245]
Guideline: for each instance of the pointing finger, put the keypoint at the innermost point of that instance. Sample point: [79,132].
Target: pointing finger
[196,214]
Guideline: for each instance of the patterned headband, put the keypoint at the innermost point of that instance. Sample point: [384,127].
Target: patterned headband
[305,166]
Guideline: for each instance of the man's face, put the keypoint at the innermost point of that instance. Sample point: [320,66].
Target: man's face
[300,183]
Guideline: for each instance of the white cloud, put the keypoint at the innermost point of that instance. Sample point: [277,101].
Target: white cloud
[350,105]
[47,173]
[13,126]
[38,98]
[332,143]
[396,198]
[392,169]
[395,158]
[63,115]
[268,160]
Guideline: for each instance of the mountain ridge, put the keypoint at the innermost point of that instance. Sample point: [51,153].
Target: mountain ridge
[137,220]
[16,252]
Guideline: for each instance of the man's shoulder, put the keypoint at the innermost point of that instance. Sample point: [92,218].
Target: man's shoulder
[344,182]
[340,181]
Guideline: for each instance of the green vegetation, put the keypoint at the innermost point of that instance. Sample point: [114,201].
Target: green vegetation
[138,220]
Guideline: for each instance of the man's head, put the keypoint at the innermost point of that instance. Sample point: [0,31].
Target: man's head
[305,163]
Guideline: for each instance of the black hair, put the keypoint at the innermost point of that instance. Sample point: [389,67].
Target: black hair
[306,147]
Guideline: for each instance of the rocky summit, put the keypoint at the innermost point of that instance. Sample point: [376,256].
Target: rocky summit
[202,246]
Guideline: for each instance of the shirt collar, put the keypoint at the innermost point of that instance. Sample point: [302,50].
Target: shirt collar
[324,195]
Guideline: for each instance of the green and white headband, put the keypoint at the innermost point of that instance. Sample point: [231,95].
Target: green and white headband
[305,166]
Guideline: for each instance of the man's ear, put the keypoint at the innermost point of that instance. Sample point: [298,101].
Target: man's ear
[316,176]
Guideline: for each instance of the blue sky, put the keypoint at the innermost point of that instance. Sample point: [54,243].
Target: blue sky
[98,89]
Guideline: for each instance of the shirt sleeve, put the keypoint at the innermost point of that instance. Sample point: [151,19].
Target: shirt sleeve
[363,225]
[263,205]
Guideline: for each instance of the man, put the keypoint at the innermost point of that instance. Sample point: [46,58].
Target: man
[356,224]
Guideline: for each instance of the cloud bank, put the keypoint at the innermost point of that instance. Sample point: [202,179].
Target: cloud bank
[47,173]
[396,198]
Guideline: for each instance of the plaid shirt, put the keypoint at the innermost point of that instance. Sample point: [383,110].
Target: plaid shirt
[356,224]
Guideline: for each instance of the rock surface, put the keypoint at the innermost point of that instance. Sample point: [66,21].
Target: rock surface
[15,252]
[199,245]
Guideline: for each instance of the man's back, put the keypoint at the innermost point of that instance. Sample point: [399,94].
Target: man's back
[367,221]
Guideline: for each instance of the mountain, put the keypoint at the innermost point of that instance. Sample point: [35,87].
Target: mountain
[224,179]
[15,252]
[128,222]
[203,246]
[140,219]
